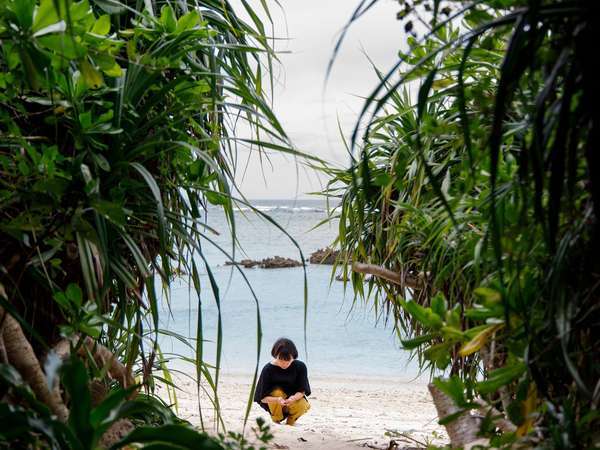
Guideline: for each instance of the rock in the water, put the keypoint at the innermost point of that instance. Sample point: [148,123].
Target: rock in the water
[278,262]
[324,256]
[247,263]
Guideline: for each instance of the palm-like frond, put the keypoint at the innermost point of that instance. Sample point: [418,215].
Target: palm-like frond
[118,129]
[478,194]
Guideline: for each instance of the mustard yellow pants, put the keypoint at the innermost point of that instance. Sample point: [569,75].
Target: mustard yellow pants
[294,410]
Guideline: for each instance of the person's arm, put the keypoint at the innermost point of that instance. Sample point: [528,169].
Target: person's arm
[294,398]
[269,399]
[302,385]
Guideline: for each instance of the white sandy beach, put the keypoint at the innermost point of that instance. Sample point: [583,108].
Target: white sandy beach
[345,413]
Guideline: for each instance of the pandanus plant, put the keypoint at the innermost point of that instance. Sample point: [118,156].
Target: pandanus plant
[473,199]
[117,129]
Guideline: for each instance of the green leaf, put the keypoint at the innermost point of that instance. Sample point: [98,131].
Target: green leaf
[112,211]
[479,340]
[74,294]
[187,21]
[45,15]
[488,295]
[75,381]
[439,304]
[108,65]
[439,354]
[433,320]
[501,377]
[62,300]
[23,10]
[181,435]
[451,417]
[453,317]
[415,310]
[216,198]
[111,6]
[424,93]
[167,18]
[107,411]
[479,313]
[454,388]
[58,27]
[93,79]
[410,344]
[85,119]
[102,25]
[80,10]
[452,333]
[382,179]
[101,161]
[63,45]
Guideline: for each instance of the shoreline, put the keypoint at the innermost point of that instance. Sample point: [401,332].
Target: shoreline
[345,413]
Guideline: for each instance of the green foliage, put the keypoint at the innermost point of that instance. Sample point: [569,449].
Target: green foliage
[117,129]
[34,425]
[235,441]
[475,183]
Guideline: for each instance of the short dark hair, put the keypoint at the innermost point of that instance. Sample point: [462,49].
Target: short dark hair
[284,348]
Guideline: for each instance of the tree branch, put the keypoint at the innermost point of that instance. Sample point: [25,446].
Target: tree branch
[409,281]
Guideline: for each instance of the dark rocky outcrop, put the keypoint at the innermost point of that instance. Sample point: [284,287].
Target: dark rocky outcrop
[324,256]
[276,262]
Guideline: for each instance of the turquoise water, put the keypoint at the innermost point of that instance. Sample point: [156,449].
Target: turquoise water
[341,339]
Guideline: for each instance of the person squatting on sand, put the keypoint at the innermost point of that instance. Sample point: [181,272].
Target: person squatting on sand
[283,384]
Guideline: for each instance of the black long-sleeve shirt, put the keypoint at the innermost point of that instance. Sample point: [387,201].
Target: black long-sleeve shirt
[291,380]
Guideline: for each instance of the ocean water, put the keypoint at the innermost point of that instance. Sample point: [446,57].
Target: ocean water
[342,338]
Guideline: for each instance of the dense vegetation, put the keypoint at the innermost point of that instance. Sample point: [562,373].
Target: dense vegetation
[116,123]
[473,197]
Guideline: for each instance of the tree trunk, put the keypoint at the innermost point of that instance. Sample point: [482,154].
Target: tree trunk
[22,357]
[462,430]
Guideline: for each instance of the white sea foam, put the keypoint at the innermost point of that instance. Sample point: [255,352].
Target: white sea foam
[282,209]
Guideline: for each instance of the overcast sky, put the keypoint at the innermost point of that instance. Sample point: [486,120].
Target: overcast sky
[309,117]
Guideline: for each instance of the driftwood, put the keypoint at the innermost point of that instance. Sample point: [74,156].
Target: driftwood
[406,281]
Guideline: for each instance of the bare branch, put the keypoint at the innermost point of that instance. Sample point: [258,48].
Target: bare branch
[409,281]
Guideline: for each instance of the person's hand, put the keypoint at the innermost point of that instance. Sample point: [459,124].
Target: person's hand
[282,401]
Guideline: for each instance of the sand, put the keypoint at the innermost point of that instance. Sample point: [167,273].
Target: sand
[346,413]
